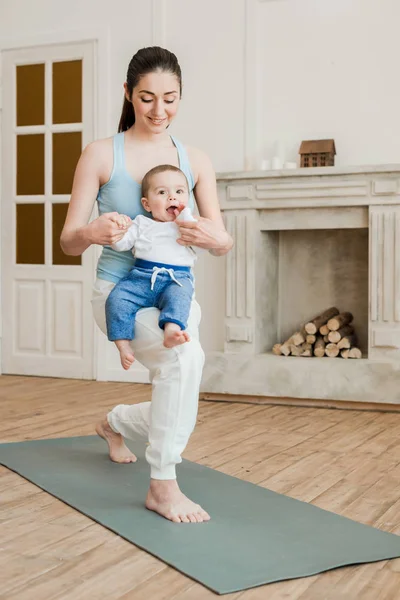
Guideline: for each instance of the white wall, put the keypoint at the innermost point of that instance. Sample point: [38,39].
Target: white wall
[211,57]
[208,38]
[325,68]
[329,68]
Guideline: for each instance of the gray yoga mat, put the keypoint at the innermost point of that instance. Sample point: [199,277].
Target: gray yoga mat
[255,536]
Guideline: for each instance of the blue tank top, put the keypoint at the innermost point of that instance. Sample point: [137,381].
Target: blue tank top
[123,194]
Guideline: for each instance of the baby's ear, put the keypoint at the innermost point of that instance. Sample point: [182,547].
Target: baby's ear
[145,204]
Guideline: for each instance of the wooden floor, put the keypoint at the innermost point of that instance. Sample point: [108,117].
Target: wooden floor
[340,460]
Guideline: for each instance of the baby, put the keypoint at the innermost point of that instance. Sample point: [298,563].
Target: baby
[161,276]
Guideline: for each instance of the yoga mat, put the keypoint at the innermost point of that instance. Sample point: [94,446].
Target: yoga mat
[255,536]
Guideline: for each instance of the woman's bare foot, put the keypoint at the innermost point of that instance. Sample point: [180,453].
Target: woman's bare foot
[119,453]
[166,499]
[125,353]
[174,335]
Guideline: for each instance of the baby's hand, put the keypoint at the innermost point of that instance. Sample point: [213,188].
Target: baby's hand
[123,221]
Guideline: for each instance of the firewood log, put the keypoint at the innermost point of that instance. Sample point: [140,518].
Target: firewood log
[326,339]
[276,349]
[310,338]
[351,353]
[336,336]
[331,350]
[355,353]
[285,347]
[295,350]
[324,330]
[306,352]
[306,349]
[339,321]
[347,342]
[298,338]
[313,325]
[319,347]
[299,350]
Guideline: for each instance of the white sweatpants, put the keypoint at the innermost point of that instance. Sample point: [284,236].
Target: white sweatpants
[175,373]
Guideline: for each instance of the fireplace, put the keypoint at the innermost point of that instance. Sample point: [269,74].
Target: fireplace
[306,240]
[319,268]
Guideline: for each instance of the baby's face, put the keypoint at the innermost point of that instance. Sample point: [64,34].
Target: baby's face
[166,192]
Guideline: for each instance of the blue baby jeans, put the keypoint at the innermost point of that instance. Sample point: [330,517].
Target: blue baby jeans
[166,287]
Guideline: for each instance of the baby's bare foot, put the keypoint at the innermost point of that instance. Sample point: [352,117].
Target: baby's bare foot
[125,353]
[174,335]
[166,499]
[119,453]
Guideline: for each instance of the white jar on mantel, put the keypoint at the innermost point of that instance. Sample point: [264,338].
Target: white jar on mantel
[265,164]
[278,157]
[276,163]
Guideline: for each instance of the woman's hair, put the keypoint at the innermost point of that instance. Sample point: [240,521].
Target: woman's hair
[146,60]
[154,171]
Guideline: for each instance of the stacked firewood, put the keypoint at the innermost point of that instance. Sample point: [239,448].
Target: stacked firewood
[328,334]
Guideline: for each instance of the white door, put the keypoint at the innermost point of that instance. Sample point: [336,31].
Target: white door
[48,117]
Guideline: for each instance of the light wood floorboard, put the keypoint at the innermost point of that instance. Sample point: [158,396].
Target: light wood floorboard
[346,461]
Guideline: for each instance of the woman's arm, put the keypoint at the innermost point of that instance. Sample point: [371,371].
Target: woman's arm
[78,234]
[209,232]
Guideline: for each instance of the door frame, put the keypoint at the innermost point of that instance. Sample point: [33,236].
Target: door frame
[102,126]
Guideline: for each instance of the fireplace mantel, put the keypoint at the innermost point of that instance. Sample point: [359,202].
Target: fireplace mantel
[311,171]
[258,206]
[320,186]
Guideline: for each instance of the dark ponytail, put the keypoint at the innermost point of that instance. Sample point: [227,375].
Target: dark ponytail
[146,60]
[127,116]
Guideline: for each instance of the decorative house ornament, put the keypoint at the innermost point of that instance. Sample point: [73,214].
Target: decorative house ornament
[317,153]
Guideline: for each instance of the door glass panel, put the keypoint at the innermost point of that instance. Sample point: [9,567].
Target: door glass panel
[30,164]
[66,151]
[59,258]
[30,95]
[67,92]
[30,234]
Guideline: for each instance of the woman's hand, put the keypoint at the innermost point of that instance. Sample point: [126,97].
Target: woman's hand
[108,229]
[205,233]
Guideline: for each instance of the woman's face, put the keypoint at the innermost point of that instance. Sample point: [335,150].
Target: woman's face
[155,101]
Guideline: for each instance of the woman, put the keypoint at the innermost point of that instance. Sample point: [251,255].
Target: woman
[111,171]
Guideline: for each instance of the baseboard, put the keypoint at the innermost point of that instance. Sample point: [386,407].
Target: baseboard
[310,403]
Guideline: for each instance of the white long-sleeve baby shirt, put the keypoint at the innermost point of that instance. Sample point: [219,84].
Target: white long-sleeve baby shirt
[156,241]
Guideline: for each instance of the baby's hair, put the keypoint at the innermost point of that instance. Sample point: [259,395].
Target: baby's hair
[159,169]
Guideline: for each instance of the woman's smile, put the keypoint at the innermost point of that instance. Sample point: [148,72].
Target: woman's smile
[157,121]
